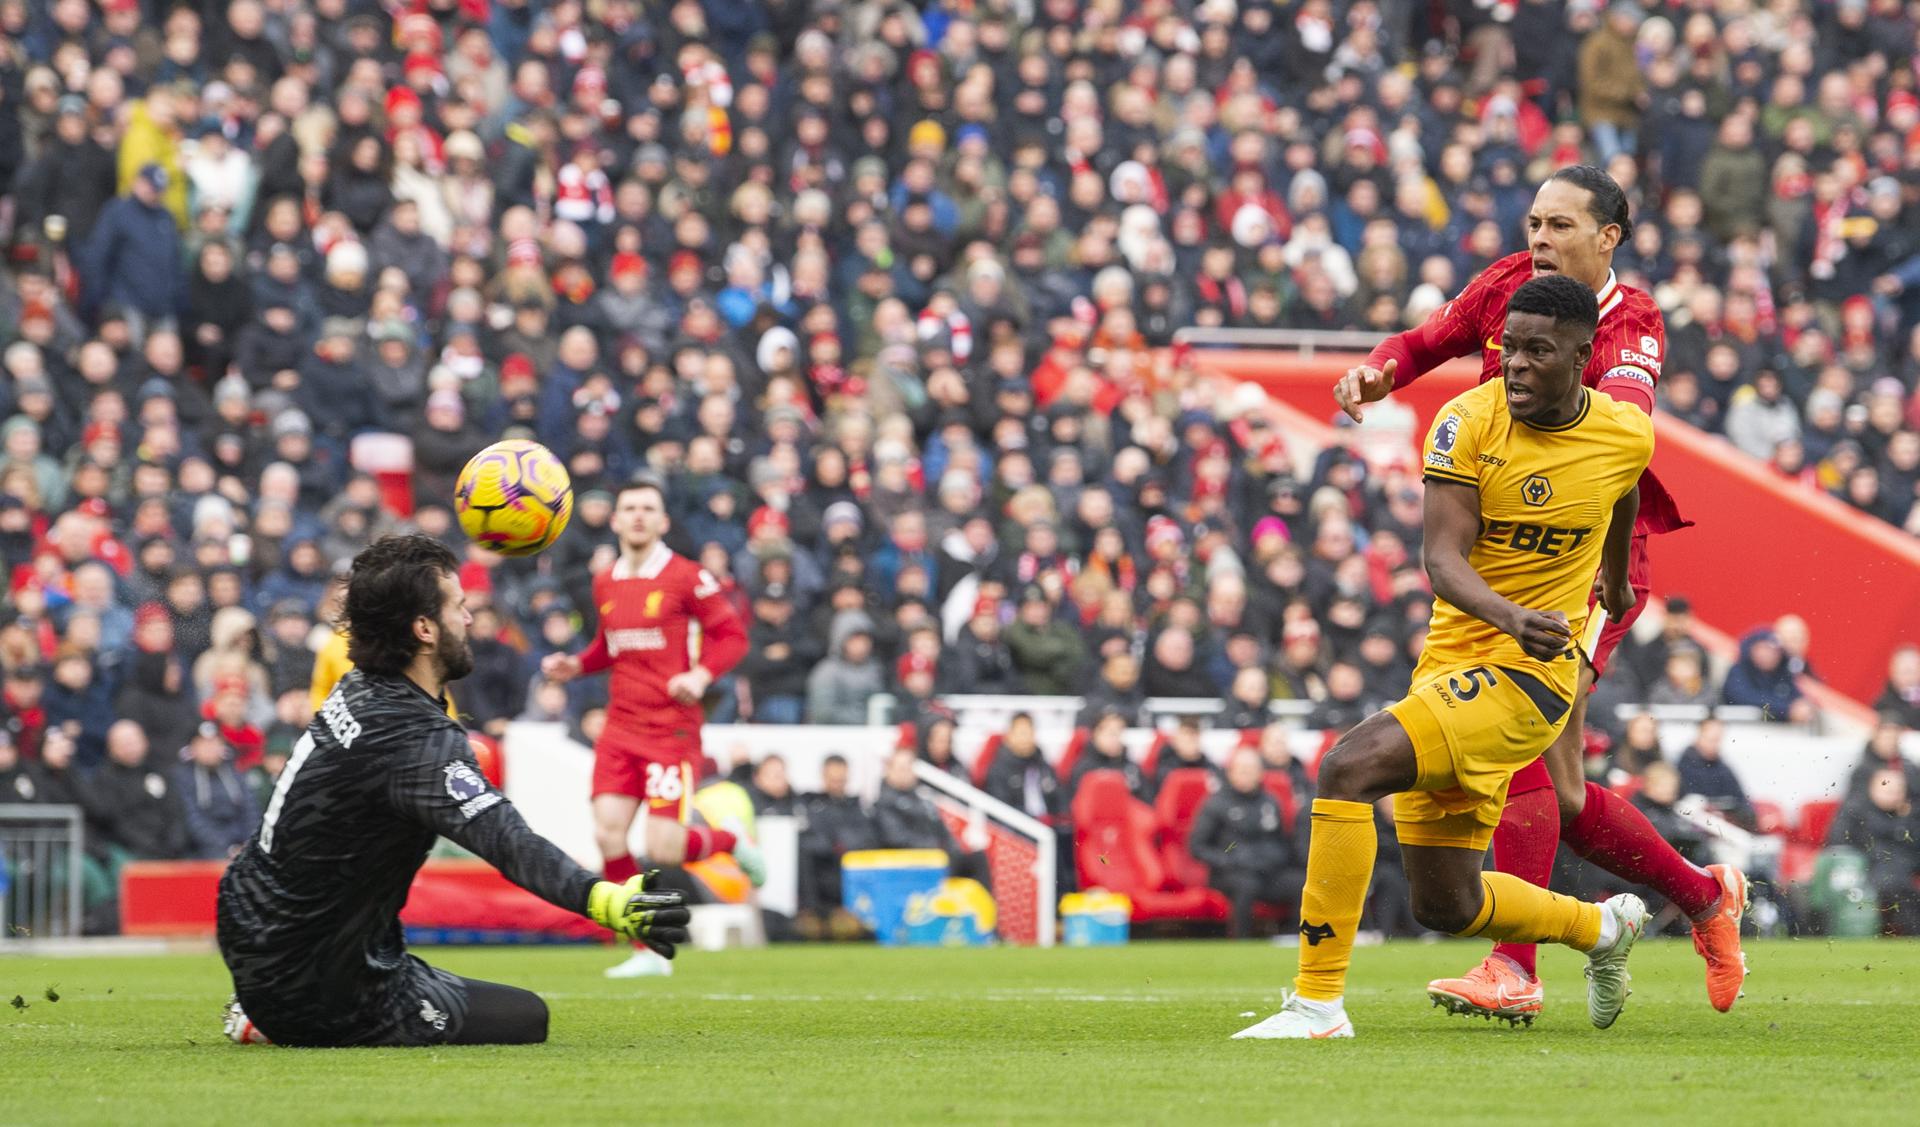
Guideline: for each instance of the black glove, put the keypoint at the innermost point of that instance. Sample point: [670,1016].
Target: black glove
[638,909]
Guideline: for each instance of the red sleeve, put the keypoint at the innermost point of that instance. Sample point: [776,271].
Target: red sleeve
[1461,327]
[723,640]
[595,657]
[1628,353]
[1418,350]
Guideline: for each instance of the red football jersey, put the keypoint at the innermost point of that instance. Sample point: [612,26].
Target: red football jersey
[646,618]
[1627,351]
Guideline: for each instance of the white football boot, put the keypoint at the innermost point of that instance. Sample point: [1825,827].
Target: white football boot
[1301,1020]
[644,963]
[239,1028]
[1607,976]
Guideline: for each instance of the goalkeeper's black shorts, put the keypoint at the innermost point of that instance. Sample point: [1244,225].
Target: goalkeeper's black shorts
[422,1006]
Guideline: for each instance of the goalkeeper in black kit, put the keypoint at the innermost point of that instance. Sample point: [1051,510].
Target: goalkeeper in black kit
[310,909]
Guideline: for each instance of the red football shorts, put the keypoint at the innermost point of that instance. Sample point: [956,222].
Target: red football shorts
[1640,578]
[655,767]
[1534,775]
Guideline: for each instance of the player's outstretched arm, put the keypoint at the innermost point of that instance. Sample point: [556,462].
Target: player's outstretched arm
[1616,593]
[1450,331]
[1452,523]
[434,782]
[437,784]
[564,667]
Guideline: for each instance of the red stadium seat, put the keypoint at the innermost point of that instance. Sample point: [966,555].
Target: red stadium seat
[1281,788]
[984,760]
[1768,817]
[1114,847]
[1152,759]
[1071,755]
[1816,818]
[1327,740]
[1179,801]
[1796,862]
[1181,795]
[492,764]
[389,458]
[1595,743]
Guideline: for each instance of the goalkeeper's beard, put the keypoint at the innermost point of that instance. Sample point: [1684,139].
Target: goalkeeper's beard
[454,658]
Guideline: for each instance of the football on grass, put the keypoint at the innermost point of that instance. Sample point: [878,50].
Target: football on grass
[514,498]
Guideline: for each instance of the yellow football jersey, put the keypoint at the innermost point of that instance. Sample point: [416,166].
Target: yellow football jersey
[1546,496]
[332,663]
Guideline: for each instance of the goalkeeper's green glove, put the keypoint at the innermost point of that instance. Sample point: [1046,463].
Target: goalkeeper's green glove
[637,909]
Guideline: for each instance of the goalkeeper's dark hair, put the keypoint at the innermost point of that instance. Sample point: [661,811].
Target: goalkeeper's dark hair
[1605,201]
[394,581]
[1557,296]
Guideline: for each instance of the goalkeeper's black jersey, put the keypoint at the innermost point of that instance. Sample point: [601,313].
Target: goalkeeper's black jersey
[309,911]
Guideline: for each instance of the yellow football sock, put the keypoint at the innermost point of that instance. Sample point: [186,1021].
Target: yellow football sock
[1339,865]
[1514,911]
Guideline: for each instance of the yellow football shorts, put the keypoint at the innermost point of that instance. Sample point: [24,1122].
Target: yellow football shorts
[1472,727]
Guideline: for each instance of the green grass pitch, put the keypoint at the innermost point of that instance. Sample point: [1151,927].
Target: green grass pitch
[1828,1032]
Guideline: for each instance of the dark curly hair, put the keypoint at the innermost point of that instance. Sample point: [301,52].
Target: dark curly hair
[1605,201]
[394,581]
[1557,296]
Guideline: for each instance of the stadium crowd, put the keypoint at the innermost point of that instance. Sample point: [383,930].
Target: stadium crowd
[884,292]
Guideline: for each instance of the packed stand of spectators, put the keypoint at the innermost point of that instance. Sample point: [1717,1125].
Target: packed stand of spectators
[879,290]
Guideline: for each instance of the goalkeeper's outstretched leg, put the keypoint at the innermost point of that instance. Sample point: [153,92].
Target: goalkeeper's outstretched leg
[451,1011]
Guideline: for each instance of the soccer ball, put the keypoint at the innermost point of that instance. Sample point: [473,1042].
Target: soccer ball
[514,498]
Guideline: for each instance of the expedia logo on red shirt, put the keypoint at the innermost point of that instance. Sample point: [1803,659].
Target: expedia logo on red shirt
[1626,372]
[642,639]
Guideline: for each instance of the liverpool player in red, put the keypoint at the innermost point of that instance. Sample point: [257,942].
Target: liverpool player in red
[1578,217]
[647,757]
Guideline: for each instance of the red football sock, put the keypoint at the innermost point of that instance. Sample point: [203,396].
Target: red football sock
[1523,846]
[1613,834]
[620,869]
[705,841]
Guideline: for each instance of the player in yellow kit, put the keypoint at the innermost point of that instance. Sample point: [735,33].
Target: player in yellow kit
[1531,488]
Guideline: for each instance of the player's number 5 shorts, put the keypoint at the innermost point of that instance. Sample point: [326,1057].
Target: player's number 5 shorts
[1472,727]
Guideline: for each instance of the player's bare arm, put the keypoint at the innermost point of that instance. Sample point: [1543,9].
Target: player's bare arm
[1616,593]
[1452,521]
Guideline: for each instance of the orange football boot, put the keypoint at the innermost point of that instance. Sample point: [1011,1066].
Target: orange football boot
[1717,938]
[1495,988]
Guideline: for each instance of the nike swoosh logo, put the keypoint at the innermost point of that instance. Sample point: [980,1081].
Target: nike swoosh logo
[1492,345]
[1334,1032]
